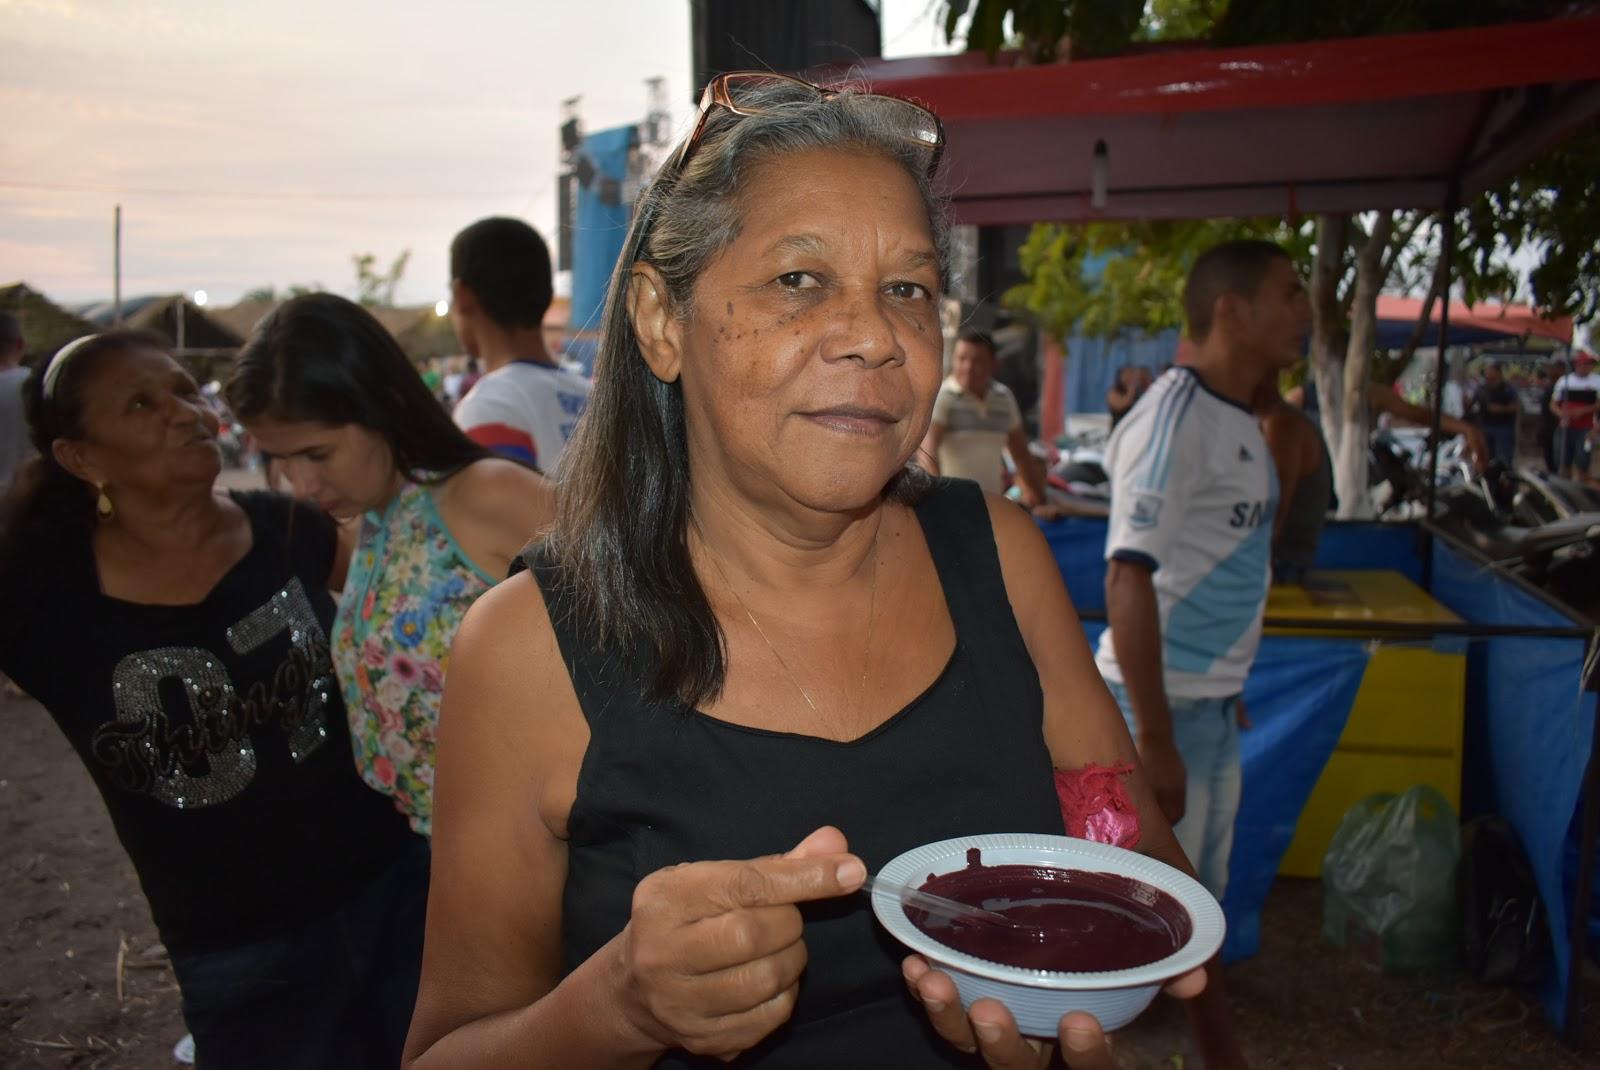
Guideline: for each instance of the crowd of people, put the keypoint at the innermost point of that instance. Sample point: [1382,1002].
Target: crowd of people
[1541,413]
[1490,408]
[563,727]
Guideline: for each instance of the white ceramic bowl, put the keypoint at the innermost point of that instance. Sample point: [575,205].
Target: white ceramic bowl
[1038,998]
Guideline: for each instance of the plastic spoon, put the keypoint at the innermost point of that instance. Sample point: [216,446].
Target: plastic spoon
[936,904]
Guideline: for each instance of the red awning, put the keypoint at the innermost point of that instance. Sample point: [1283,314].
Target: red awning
[1347,125]
[1516,321]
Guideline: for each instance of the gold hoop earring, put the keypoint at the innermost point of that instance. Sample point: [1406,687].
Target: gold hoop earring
[103,507]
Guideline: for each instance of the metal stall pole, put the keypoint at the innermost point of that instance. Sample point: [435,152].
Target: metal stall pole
[1447,248]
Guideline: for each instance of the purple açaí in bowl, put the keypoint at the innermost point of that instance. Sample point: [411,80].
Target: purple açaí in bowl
[1098,928]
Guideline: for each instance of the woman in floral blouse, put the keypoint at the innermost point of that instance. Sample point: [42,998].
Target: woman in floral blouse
[329,395]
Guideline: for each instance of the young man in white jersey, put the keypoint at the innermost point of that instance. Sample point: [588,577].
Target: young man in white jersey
[1193,497]
[525,405]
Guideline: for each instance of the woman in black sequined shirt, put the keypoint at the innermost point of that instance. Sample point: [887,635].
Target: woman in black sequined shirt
[178,636]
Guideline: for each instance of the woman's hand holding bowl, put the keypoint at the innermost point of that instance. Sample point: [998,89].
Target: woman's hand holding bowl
[989,1029]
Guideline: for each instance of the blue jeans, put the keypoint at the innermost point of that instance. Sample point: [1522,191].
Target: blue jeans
[1206,731]
[335,993]
[1502,442]
[1571,450]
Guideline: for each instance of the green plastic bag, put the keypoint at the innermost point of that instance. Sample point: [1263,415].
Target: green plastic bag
[1389,881]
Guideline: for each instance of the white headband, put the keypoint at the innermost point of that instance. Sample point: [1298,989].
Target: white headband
[52,371]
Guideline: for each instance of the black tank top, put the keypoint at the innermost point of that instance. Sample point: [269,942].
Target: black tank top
[663,784]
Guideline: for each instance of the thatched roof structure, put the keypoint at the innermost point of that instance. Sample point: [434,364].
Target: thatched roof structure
[160,313]
[421,332]
[242,318]
[46,326]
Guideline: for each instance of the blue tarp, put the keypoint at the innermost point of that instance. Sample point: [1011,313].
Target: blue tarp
[1299,697]
[1528,724]
[1529,730]
[601,228]
[1092,363]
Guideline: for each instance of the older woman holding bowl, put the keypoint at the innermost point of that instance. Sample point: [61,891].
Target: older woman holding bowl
[752,633]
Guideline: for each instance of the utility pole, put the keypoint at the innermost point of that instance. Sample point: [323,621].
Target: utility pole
[567,183]
[116,267]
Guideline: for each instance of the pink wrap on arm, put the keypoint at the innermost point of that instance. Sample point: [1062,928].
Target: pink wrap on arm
[1095,804]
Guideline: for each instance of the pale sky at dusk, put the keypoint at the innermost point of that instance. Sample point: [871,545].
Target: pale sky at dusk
[252,142]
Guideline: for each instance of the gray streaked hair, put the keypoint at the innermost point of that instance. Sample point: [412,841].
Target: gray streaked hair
[619,543]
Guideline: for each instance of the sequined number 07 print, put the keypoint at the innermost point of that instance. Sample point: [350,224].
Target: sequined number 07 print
[211,758]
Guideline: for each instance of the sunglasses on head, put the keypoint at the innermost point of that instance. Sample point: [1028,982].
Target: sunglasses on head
[740,92]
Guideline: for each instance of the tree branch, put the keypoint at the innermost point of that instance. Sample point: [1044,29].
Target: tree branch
[1363,325]
[1355,238]
[1333,236]
[1327,320]
[1399,242]
[1441,279]
[1347,289]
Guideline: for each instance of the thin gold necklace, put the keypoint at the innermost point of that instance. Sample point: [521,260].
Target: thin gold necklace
[872,615]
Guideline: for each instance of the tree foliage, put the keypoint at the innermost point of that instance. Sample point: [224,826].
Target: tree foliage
[374,288]
[1102,278]
[1181,20]
[1256,22]
[269,293]
[1551,207]
[1093,27]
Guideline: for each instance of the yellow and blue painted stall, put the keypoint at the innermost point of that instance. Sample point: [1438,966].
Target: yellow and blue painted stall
[1406,722]
[1366,682]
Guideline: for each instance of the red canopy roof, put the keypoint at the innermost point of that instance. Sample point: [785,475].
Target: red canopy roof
[1512,320]
[1347,125]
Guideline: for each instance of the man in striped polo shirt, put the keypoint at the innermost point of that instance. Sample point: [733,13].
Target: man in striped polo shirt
[975,418]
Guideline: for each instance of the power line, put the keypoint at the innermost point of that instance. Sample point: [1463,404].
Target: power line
[254,195]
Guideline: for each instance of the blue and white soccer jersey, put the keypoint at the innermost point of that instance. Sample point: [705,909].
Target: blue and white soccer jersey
[1193,494]
[525,410]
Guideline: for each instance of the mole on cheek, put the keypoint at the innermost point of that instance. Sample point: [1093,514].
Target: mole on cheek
[730,308]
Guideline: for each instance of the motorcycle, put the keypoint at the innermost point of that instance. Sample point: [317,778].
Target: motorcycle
[1541,528]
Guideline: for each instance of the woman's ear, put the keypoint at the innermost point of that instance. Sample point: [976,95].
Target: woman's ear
[72,456]
[658,331]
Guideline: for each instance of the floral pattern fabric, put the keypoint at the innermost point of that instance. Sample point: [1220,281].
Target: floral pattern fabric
[408,587]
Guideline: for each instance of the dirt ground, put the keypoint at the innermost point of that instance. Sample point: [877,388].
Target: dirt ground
[84,983]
